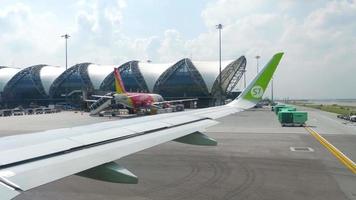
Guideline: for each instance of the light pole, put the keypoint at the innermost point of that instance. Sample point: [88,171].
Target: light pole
[220,26]
[272,91]
[66,36]
[257,57]
[244,78]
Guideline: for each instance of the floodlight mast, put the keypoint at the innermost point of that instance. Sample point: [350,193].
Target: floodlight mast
[272,97]
[66,36]
[244,71]
[257,64]
[220,26]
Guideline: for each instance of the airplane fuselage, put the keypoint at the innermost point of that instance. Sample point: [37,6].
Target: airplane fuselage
[138,100]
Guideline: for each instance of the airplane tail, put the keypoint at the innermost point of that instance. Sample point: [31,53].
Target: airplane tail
[253,93]
[120,88]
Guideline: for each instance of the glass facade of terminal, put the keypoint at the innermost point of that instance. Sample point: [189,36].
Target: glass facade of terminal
[25,87]
[181,80]
[43,84]
[131,77]
[70,84]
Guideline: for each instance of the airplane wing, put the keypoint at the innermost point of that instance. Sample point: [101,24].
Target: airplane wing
[132,95]
[30,160]
[102,96]
[90,100]
[174,101]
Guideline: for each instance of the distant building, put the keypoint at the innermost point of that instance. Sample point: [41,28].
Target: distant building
[44,84]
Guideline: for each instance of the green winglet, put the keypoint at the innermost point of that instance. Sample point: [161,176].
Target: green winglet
[255,90]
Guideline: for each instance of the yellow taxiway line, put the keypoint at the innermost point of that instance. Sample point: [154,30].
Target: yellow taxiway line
[336,152]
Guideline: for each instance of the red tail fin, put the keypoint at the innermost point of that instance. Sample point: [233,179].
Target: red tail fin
[118,82]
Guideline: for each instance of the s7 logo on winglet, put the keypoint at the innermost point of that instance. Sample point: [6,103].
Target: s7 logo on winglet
[257,92]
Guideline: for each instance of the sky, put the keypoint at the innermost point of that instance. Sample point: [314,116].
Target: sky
[318,37]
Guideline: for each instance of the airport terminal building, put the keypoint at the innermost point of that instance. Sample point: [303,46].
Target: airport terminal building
[45,84]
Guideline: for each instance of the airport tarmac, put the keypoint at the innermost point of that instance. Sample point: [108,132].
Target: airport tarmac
[253,160]
[41,122]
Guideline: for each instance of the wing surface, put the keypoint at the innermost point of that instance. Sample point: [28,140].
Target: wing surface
[102,96]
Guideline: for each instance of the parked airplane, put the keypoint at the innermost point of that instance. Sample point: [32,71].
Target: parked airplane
[30,160]
[133,100]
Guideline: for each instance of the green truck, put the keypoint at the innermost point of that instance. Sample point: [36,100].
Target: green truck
[277,108]
[288,108]
[292,118]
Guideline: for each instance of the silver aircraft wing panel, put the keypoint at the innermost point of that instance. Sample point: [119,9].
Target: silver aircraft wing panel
[29,161]
[49,162]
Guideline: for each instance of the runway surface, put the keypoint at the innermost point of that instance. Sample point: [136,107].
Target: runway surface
[253,160]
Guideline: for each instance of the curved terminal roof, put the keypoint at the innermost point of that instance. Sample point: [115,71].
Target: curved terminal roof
[24,81]
[40,82]
[108,81]
[181,80]
[74,78]
[97,73]
[209,70]
[26,86]
[6,73]
[137,76]
[48,74]
[152,71]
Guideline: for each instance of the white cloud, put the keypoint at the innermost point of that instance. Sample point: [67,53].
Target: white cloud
[12,17]
[319,60]
[319,55]
[172,47]
[26,36]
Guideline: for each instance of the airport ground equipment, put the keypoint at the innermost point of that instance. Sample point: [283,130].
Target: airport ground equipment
[284,107]
[5,113]
[353,118]
[100,105]
[288,108]
[273,107]
[292,118]
[278,107]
